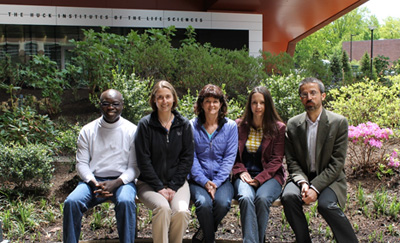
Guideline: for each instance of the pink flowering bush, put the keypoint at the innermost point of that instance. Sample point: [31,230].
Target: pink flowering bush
[393,159]
[368,146]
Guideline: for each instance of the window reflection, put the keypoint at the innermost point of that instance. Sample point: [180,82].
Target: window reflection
[20,42]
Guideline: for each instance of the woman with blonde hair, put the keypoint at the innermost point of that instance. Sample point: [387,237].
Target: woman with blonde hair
[164,150]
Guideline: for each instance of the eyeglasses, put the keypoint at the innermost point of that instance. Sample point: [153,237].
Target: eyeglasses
[106,104]
[312,94]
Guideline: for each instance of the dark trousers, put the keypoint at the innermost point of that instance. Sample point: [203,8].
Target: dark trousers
[327,207]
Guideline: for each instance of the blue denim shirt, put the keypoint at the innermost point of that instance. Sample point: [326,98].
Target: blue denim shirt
[213,158]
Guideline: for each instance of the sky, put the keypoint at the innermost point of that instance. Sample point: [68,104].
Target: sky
[383,8]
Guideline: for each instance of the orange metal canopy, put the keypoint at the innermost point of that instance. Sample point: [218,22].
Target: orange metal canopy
[285,22]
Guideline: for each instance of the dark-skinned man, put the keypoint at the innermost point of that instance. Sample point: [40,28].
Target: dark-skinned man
[106,163]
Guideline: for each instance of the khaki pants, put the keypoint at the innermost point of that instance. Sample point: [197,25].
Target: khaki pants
[170,220]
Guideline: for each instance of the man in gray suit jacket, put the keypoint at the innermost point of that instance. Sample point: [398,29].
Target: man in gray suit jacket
[315,150]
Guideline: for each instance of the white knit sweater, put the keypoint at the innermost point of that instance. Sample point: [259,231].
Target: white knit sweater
[107,150]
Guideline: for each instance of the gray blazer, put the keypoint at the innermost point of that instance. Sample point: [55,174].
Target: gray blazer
[330,157]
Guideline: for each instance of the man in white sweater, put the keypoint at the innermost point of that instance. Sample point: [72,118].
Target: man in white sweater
[106,163]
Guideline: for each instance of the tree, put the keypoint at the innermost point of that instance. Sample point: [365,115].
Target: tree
[329,39]
[281,64]
[366,67]
[316,67]
[390,28]
[336,68]
[381,64]
[348,73]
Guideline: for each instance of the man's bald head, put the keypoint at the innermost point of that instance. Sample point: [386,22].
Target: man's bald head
[111,93]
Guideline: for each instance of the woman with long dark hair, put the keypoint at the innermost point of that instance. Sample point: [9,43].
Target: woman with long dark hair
[258,171]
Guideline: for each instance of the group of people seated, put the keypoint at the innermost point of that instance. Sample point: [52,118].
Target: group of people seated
[168,161]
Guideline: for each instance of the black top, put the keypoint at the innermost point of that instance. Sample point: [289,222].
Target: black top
[164,157]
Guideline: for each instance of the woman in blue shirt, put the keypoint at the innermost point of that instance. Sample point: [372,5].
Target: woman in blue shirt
[216,143]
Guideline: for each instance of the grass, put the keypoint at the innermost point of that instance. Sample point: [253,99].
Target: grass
[384,204]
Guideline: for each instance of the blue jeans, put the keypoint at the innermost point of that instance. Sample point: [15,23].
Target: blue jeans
[209,212]
[83,198]
[254,207]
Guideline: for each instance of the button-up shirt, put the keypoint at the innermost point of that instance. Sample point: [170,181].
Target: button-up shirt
[312,129]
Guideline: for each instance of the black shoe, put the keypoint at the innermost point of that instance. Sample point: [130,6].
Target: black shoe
[198,237]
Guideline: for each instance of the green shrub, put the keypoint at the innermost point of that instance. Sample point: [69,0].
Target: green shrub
[366,68]
[23,126]
[316,67]
[216,66]
[97,54]
[186,106]
[27,163]
[368,101]
[136,94]
[235,109]
[65,141]
[280,64]
[44,74]
[151,56]
[285,93]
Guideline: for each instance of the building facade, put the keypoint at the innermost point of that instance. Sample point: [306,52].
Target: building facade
[387,48]
[45,26]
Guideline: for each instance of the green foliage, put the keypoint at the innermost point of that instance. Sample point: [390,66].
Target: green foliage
[367,147]
[235,109]
[23,164]
[360,102]
[136,94]
[285,93]
[395,68]
[381,64]
[361,196]
[336,68]
[351,26]
[390,29]
[44,74]
[151,53]
[315,67]
[281,64]
[347,71]
[190,37]
[23,126]
[98,54]
[186,105]
[23,218]
[329,39]
[384,205]
[366,67]
[151,56]
[10,72]
[65,140]
[216,66]
[39,73]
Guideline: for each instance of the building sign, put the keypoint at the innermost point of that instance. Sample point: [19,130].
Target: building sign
[74,16]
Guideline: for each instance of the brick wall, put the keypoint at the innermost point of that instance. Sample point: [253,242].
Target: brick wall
[387,48]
